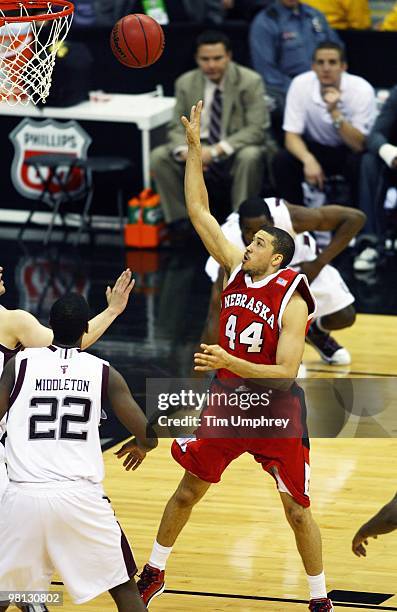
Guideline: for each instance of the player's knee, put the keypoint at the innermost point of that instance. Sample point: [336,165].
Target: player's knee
[186,496]
[341,319]
[297,516]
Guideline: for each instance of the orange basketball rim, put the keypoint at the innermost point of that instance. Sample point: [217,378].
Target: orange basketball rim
[30,34]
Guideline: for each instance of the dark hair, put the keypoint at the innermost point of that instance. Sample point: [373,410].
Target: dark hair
[282,243]
[69,318]
[254,207]
[211,37]
[329,44]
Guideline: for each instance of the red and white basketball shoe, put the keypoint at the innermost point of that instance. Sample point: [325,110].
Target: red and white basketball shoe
[151,583]
[321,605]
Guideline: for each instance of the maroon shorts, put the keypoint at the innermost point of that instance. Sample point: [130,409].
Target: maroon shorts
[208,458]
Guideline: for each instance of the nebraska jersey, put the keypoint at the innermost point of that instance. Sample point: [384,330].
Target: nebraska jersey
[251,314]
[54,415]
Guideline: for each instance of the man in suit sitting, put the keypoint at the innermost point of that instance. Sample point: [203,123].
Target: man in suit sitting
[235,119]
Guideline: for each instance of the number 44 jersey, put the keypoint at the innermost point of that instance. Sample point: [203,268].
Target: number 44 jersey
[54,415]
[251,314]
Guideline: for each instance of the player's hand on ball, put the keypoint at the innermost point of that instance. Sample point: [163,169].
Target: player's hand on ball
[117,297]
[135,454]
[213,357]
[358,544]
[192,126]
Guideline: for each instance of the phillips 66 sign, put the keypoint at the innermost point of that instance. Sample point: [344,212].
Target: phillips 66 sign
[32,138]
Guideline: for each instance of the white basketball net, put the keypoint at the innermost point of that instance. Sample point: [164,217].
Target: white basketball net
[28,52]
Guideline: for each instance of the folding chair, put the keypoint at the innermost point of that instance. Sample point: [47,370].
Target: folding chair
[60,170]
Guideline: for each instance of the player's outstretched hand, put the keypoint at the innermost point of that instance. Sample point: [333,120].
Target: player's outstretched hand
[118,296]
[135,454]
[358,544]
[213,357]
[192,126]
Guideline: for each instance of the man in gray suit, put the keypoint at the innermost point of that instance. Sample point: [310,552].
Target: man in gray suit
[235,119]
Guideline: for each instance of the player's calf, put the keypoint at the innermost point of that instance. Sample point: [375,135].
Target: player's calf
[339,320]
[127,597]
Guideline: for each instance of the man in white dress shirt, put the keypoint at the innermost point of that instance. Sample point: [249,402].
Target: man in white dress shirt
[328,115]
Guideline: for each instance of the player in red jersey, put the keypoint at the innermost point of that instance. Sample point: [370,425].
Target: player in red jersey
[265,311]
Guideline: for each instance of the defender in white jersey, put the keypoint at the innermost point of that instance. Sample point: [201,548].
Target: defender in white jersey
[334,300]
[21,329]
[53,396]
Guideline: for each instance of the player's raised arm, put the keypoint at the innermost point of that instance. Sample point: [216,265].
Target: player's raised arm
[23,327]
[343,221]
[225,253]
[117,299]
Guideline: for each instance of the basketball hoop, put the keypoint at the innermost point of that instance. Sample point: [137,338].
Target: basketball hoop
[29,42]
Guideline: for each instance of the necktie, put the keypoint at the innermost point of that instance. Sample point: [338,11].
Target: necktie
[215,127]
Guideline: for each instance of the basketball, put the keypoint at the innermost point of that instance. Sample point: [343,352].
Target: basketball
[137,41]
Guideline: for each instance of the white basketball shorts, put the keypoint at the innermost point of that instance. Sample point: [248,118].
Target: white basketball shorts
[3,472]
[65,527]
[330,291]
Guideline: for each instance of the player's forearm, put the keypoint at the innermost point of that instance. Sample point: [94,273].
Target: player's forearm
[195,190]
[350,135]
[281,376]
[346,230]
[98,325]
[134,420]
[384,521]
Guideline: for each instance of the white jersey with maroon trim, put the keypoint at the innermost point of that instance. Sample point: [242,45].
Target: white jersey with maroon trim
[54,415]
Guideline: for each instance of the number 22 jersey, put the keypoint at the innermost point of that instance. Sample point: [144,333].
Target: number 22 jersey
[54,416]
[251,314]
